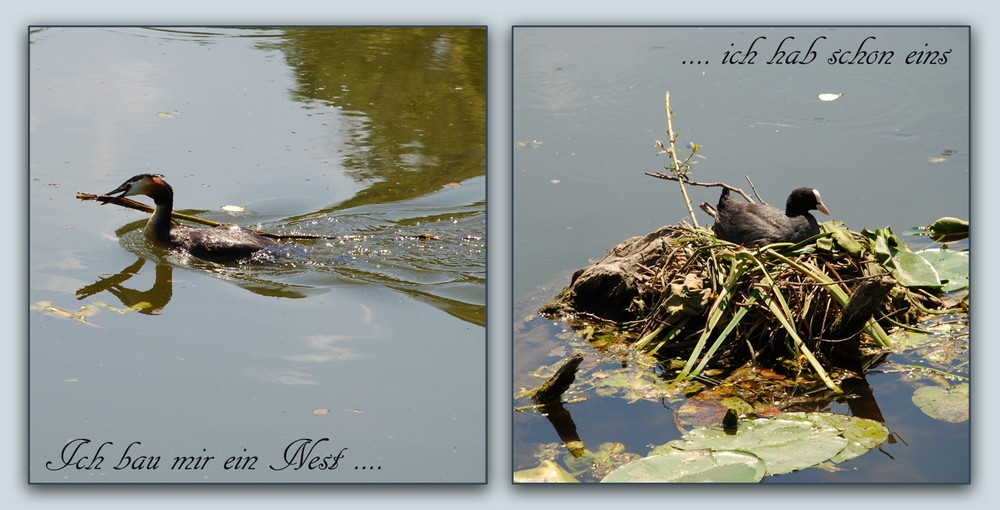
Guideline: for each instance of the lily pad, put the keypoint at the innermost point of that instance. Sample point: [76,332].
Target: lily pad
[783,445]
[546,472]
[952,267]
[861,434]
[903,339]
[947,404]
[607,457]
[691,466]
[944,269]
[946,230]
[912,270]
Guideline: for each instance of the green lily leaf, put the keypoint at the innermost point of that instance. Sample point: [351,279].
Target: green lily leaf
[912,270]
[783,445]
[947,404]
[952,267]
[861,434]
[789,442]
[691,466]
[948,230]
[607,457]
[546,472]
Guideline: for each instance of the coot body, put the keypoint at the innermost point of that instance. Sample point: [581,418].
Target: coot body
[757,225]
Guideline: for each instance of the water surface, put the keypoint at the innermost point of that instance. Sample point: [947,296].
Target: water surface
[370,337]
[588,105]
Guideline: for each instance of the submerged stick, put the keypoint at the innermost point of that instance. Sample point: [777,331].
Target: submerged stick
[139,206]
[859,308]
[551,390]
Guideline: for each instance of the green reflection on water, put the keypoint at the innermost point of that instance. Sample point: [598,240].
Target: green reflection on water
[415,97]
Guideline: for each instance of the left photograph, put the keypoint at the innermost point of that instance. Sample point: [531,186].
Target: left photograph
[256,255]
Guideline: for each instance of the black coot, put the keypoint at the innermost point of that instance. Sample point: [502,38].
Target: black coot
[756,225]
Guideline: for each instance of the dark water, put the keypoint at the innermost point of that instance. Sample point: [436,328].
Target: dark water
[373,335]
[588,104]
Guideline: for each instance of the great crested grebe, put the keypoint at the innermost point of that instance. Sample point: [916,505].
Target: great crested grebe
[759,225]
[221,243]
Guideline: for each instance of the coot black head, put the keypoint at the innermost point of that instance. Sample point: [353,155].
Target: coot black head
[759,225]
[802,200]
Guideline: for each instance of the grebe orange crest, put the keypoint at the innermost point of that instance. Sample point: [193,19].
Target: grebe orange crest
[225,243]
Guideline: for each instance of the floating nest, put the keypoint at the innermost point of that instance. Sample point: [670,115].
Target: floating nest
[685,296]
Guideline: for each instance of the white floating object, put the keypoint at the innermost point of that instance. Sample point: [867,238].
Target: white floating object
[829,97]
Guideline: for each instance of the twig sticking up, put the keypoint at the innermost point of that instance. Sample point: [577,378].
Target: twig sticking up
[678,166]
[754,188]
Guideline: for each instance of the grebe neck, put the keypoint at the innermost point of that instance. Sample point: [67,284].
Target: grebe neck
[158,226]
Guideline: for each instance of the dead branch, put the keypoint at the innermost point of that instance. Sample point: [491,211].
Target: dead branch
[660,175]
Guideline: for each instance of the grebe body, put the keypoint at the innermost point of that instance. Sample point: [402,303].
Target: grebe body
[222,243]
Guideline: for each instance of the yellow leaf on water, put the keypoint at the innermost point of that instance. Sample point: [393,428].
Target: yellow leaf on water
[79,316]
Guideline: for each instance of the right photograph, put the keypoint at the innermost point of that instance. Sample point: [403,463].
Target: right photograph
[741,254]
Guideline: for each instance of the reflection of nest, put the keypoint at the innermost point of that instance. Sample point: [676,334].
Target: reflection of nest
[678,292]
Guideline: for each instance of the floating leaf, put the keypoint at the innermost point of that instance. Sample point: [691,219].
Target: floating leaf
[922,269]
[952,267]
[546,472]
[948,230]
[949,404]
[637,384]
[691,466]
[861,434]
[903,339]
[784,445]
[607,457]
[79,316]
[912,270]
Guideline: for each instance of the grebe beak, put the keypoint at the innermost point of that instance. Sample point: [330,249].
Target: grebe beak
[123,189]
[135,186]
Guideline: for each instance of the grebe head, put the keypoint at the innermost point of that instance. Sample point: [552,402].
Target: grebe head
[221,243]
[151,185]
